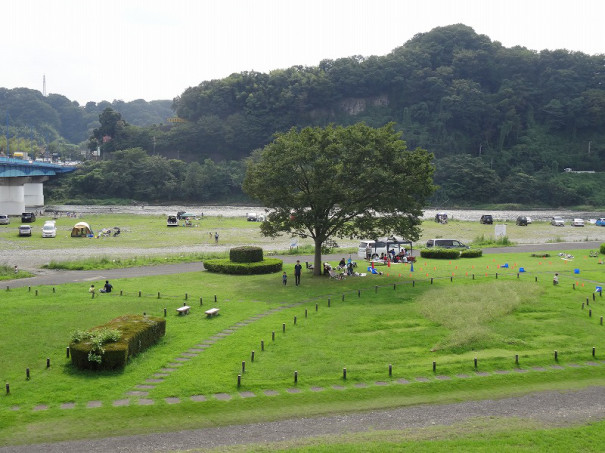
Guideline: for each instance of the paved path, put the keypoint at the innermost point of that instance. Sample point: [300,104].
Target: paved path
[551,408]
[52,277]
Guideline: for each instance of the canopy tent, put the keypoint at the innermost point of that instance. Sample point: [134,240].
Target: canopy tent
[81,230]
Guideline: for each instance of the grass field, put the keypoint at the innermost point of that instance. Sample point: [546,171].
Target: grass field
[398,318]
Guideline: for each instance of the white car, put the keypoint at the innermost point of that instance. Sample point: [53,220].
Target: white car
[49,230]
[4,219]
[557,221]
[528,220]
[577,222]
[25,230]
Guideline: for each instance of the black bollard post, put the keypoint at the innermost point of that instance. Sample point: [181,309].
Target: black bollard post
[243,366]
[556,356]
[390,370]
[121,292]
[517,274]
[295,320]
[252,357]
[593,297]
[536,279]
[139,293]
[273,335]
[262,345]
[582,305]
[306,313]
[158,294]
[29,289]
[343,297]
[516,359]
[296,377]
[316,307]
[239,380]
[27,374]
[394,286]
[601,320]
[283,327]
[344,373]
[590,313]
[36,292]
[53,290]
[358,293]
[434,366]
[473,276]
[201,303]
[587,303]
[413,283]
[8,388]
[328,302]
[574,286]
[376,289]
[186,296]
[67,352]
[215,298]
[451,279]
[496,275]
[475,362]
[594,350]
[431,280]
[48,362]
[8,288]
[165,312]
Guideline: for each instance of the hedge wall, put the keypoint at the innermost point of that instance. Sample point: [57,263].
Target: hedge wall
[246,254]
[225,266]
[138,333]
[471,253]
[602,248]
[443,254]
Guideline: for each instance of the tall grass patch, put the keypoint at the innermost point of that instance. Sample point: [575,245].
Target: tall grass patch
[467,311]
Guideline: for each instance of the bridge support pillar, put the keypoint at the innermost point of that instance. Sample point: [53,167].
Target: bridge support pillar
[12,195]
[33,191]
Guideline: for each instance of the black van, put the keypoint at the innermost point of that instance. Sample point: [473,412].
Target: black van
[522,220]
[28,217]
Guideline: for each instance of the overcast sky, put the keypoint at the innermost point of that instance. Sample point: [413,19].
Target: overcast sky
[152,49]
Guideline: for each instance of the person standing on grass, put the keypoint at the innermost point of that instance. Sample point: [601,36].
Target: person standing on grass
[216,237]
[284,278]
[16,270]
[555,279]
[297,271]
[91,290]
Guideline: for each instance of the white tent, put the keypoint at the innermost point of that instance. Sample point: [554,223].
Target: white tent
[81,230]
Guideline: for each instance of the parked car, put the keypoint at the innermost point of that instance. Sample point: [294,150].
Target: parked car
[522,221]
[4,219]
[441,217]
[25,230]
[486,219]
[382,246]
[600,222]
[172,221]
[446,244]
[28,217]
[577,222]
[557,221]
[49,230]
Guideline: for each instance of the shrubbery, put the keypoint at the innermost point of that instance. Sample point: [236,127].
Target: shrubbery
[471,253]
[450,254]
[108,347]
[602,248]
[225,266]
[246,254]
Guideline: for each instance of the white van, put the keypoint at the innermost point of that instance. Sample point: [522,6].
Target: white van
[4,219]
[382,246]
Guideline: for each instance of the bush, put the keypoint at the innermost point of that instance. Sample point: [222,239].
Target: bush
[440,254]
[109,346]
[471,253]
[602,249]
[225,266]
[246,254]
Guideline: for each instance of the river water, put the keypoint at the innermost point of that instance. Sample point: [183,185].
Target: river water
[241,211]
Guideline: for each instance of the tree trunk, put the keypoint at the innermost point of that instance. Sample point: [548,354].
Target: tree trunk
[317,264]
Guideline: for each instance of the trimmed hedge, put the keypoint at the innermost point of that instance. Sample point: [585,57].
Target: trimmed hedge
[471,253]
[602,249]
[225,266]
[246,254]
[138,333]
[440,254]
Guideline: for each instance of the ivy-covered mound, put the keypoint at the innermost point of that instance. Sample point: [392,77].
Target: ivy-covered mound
[450,254]
[109,346]
[244,260]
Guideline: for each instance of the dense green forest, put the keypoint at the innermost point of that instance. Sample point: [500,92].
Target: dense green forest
[503,123]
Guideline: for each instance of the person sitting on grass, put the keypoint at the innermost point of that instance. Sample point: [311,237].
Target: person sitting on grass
[107,287]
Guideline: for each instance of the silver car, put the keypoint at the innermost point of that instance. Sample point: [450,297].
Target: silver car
[4,219]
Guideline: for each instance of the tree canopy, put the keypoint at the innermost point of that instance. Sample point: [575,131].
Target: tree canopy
[354,181]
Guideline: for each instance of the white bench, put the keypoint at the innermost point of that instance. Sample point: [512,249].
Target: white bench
[184,310]
[212,312]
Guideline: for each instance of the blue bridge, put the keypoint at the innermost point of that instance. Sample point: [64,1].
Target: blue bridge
[21,183]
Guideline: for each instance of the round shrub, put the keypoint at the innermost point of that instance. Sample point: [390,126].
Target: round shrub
[602,248]
[246,254]
[471,253]
[440,254]
[225,266]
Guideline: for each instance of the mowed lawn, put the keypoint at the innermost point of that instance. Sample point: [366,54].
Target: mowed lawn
[399,318]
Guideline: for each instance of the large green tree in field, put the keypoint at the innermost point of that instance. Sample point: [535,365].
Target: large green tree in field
[354,181]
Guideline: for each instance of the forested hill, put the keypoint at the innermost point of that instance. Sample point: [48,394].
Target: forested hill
[503,123]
